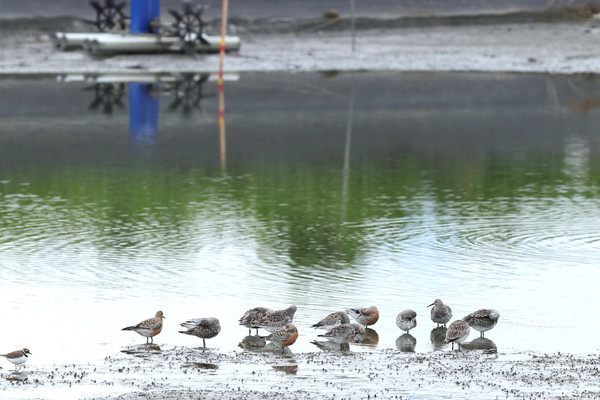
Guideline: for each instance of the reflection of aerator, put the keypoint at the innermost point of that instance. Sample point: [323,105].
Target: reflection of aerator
[146,32]
[187,90]
[107,95]
[188,93]
[143,91]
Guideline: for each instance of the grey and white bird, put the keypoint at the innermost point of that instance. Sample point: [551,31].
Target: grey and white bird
[204,328]
[276,320]
[440,312]
[457,332]
[252,317]
[406,320]
[482,320]
[332,320]
[344,333]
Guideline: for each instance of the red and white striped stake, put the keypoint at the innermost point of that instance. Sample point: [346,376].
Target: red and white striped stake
[222,143]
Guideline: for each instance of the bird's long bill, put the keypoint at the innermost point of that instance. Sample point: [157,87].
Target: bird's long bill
[431,304]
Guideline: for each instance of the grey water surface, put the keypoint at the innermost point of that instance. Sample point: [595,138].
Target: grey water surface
[333,191]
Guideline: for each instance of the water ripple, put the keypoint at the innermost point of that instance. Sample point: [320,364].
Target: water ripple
[489,240]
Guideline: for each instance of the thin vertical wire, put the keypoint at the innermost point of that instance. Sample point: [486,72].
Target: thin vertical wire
[353,28]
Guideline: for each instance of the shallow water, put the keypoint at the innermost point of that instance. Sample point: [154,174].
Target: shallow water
[335,191]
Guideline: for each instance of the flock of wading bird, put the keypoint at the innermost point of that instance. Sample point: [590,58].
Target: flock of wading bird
[338,327]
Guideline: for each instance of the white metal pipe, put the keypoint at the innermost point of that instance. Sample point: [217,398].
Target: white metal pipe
[69,41]
[130,42]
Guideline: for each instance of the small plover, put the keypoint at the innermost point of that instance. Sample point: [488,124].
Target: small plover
[17,357]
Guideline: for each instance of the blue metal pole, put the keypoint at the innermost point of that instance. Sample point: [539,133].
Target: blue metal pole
[142,13]
[143,113]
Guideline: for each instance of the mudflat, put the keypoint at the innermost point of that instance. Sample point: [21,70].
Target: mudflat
[478,371]
[565,46]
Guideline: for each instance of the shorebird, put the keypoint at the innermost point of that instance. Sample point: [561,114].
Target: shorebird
[276,320]
[149,327]
[17,357]
[457,332]
[364,316]
[204,328]
[332,320]
[440,313]
[285,336]
[252,317]
[482,320]
[406,320]
[344,333]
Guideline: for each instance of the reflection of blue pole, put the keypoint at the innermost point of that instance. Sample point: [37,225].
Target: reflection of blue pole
[143,113]
[142,13]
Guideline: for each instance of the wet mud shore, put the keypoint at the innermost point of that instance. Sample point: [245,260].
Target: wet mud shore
[152,372]
[510,43]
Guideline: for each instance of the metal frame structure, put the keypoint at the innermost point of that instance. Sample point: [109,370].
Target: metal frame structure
[146,32]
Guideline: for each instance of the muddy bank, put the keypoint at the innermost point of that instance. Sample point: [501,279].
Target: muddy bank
[325,21]
[150,372]
[253,9]
[560,46]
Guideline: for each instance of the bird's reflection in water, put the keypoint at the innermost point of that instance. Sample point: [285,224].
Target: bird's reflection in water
[277,349]
[481,343]
[369,338]
[327,345]
[406,343]
[252,343]
[288,369]
[17,377]
[438,335]
[257,344]
[200,365]
[142,350]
